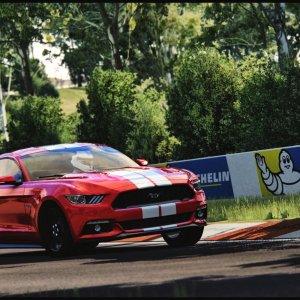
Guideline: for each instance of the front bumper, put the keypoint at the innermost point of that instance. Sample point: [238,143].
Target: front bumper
[113,229]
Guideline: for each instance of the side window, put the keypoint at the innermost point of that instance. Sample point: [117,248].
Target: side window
[8,167]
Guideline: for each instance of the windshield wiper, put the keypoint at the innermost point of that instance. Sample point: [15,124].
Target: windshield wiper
[54,175]
[108,169]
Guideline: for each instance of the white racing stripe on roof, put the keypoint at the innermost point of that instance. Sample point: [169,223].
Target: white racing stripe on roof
[60,146]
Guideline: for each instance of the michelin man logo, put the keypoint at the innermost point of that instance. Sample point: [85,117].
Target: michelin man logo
[285,182]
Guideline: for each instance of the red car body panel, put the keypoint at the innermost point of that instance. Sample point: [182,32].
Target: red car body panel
[20,204]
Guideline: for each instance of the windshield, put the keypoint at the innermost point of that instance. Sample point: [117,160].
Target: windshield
[75,159]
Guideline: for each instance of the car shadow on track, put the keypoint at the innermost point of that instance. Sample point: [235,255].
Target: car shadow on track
[270,285]
[133,252]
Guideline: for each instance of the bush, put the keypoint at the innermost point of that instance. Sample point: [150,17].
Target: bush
[44,88]
[201,103]
[108,115]
[149,137]
[269,108]
[34,121]
[69,128]
[123,115]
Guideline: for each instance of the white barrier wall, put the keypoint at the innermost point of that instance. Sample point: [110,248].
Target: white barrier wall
[256,173]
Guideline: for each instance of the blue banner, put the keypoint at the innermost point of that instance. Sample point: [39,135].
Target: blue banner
[213,174]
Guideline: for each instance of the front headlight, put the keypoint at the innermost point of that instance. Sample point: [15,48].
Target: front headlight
[197,185]
[85,199]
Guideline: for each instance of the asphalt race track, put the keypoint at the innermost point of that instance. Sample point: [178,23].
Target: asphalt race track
[232,268]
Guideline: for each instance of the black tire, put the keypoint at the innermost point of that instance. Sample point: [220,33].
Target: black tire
[55,233]
[183,237]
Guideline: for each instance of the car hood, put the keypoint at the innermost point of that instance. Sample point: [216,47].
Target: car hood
[130,178]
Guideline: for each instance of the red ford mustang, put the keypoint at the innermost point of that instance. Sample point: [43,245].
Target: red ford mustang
[70,196]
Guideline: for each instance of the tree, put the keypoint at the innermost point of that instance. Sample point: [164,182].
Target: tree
[235,29]
[82,39]
[276,18]
[20,26]
[5,70]
[162,32]
[110,18]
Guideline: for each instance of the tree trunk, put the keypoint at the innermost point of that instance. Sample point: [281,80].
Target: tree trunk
[26,71]
[3,119]
[281,37]
[112,29]
[276,19]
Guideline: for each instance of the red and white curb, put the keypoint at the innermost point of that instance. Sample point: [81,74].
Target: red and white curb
[286,229]
[240,231]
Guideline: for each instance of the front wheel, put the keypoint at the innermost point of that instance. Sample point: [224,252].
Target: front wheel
[183,237]
[55,233]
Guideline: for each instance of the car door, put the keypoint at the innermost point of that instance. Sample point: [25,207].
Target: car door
[13,219]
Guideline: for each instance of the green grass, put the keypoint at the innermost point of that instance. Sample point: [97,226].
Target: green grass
[70,97]
[254,208]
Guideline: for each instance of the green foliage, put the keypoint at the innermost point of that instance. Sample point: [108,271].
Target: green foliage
[125,116]
[108,115]
[69,129]
[161,34]
[269,107]
[235,29]
[44,88]
[87,33]
[41,84]
[20,26]
[34,121]
[149,137]
[201,101]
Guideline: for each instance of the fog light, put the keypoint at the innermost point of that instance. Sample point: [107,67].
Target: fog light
[97,228]
[200,214]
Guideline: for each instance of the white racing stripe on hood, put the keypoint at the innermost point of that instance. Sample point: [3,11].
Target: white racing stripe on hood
[143,179]
[157,178]
[137,179]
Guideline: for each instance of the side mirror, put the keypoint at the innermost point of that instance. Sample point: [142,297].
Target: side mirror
[9,180]
[142,162]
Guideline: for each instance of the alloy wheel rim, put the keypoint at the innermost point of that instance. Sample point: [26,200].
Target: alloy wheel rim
[56,236]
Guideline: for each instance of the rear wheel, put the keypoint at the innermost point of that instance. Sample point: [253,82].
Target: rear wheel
[55,232]
[183,237]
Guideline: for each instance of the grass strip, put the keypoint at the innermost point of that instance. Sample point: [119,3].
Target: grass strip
[254,208]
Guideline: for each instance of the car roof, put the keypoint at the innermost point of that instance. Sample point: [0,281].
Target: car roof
[32,150]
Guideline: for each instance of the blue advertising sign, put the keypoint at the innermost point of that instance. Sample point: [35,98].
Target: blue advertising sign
[213,173]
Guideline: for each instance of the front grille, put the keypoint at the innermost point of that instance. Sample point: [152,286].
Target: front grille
[153,195]
[153,222]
